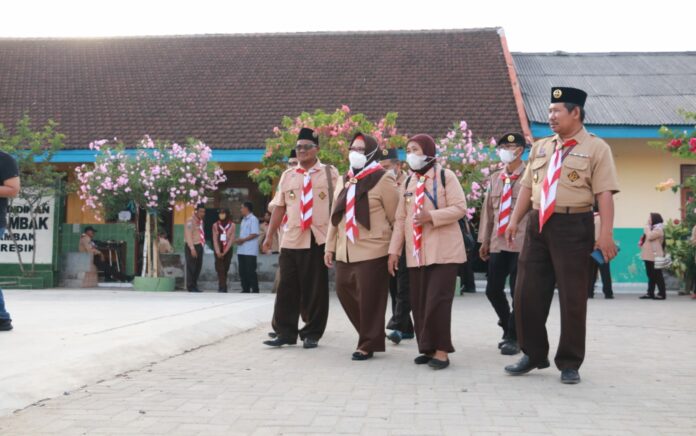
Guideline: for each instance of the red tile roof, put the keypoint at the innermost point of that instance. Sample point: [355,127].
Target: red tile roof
[231,90]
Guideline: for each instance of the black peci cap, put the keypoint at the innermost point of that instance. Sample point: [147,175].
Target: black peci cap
[387,154]
[309,135]
[88,228]
[560,94]
[512,138]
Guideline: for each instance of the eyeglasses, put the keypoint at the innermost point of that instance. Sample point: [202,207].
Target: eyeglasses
[304,147]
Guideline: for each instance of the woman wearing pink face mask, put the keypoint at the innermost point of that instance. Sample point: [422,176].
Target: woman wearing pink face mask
[431,204]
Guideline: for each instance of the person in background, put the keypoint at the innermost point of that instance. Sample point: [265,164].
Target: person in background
[693,242]
[358,237]
[652,244]
[87,246]
[248,249]
[263,229]
[465,272]
[9,188]
[400,323]
[163,244]
[223,238]
[194,236]
[498,203]
[427,221]
[604,269]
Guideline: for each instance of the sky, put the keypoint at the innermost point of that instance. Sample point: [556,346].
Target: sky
[530,26]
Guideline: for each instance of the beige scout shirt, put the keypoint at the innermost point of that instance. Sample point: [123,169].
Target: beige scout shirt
[86,245]
[383,199]
[587,170]
[442,240]
[653,243]
[192,234]
[490,212]
[288,195]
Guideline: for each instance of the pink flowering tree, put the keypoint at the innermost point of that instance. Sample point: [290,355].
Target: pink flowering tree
[335,131]
[471,160]
[154,176]
[681,144]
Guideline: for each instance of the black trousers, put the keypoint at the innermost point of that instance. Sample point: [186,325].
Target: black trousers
[104,266]
[303,288]
[247,273]
[605,272]
[466,277]
[193,267]
[222,267]
[560,255]
[655,277]
[501,266]
[400,299]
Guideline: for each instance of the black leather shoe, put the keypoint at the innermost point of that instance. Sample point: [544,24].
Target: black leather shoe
[438,364]
[5,325]
[510,348]
[422,359]
[647,297]
[360,356]
[524,365]
[395,337]
[609,297]
[278,342]
[570,376]
[310,343]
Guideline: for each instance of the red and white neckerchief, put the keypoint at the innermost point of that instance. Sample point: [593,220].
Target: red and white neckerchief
[201,232]
[351,225]
[417,207]
[223,233]
[548,191]
[306,198]
[505,201]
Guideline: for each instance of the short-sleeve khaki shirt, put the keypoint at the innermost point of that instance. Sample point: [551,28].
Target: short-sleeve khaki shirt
[586,171]
[288,196]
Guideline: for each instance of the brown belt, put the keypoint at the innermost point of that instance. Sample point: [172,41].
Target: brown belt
[569,210]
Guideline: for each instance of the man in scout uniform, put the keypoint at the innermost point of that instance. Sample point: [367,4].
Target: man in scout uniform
[400,324]
[194,236]
[304,194]
[500,200]
[566,174]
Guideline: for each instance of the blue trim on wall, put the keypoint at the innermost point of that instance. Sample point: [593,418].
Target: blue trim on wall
[87,156]
[540,130]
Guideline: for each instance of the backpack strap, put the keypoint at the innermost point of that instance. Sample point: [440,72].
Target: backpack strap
[329,180]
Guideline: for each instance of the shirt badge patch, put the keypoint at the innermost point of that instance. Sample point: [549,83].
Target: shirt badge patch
[322,195]
[573,176]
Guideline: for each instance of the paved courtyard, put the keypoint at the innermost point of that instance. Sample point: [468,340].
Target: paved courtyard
[639,378]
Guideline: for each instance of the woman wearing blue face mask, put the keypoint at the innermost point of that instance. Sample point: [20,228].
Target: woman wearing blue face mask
[431,204]
[358,237]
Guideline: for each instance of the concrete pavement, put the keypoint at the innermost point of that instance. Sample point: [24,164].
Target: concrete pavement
[639,378]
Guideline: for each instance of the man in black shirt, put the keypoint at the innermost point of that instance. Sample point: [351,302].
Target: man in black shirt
[9,188]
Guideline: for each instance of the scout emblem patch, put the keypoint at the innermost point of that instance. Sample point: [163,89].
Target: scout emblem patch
[408,196]
[573,176]
[536,177]
[557,93]
[511,138]
[322,195]
[384,152]
[292,195]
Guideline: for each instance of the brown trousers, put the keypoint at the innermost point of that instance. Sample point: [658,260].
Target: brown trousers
[303,288]
[432,293]
[222,267]
[362,290]
[559,255]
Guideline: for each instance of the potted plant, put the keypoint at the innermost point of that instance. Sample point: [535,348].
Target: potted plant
[153,176]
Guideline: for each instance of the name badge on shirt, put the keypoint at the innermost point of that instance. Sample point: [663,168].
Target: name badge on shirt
[223,237]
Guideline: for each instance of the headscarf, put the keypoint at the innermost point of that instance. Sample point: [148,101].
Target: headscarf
[364,185]
[427,144]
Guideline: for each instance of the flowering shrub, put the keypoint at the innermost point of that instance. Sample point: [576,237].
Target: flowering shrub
[472,162]
[155,176]
[335,131]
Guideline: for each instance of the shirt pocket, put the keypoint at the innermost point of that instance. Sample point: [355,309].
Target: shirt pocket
[575,171]
[539,167]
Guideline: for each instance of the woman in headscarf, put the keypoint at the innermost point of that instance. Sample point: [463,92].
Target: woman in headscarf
[358,237]
[652,244]
[427,218]
[223,236]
